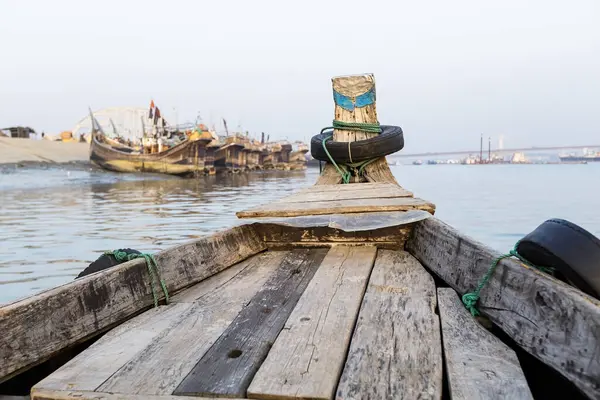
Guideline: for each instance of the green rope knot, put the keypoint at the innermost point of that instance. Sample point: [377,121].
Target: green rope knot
[345,169]
[123,256]
[357,126]
[471,299]
[470,302]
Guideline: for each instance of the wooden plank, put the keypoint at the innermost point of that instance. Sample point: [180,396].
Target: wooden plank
[36,328]
[91,368]
[100,361]
[214,283]
[478,364]
[230,364]
[347,187]
[386,191]
[162,365]
[353,222]
[307,358]
[396,347]
[337,207]
[394,236]
[84,395]
[551,320]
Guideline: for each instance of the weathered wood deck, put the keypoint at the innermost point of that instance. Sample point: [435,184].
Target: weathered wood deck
[277,325]
[341,199]
[339,305]
[350,320]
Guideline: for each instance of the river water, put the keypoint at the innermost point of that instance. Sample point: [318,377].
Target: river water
[55,221]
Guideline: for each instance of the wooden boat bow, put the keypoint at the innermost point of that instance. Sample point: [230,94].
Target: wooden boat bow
[335,292]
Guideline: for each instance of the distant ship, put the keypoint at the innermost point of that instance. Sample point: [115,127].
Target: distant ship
[417,162]
[588,156]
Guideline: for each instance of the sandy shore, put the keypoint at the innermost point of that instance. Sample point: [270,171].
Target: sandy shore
[28,150]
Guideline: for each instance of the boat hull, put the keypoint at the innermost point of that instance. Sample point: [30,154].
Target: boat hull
[187,158]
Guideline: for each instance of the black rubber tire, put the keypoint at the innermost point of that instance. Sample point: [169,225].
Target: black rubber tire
[570,249]
[103,262]
[390,140]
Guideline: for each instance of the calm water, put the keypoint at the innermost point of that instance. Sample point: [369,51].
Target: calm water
[54,222]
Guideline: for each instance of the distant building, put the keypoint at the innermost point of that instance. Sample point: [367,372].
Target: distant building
[518,158]
[18,132]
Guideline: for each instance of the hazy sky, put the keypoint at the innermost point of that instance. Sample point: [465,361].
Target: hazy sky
[446,71]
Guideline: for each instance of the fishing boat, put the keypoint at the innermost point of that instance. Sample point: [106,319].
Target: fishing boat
[298,156]
[185,158]
[347,289]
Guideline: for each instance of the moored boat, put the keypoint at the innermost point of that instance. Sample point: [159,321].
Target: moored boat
[298,156]
[345,291]
[185,158]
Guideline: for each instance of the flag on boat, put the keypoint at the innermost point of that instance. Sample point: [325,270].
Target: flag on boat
[225,124]
[150,116]
[156,115]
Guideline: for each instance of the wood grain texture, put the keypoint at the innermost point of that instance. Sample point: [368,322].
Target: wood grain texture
[84,395]
[352,222]
[478,364]
[91,368]
[337,207]
[381,191]
[230,364]
[162,365]
[308,355]
[396,347]
[554,322]
[220,280]
[36,328]
[353,85]
[104,363]
[371,186]
[275,235]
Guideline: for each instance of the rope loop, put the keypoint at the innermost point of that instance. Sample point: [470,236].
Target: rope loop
[471,299]
[345,169]
[153,270]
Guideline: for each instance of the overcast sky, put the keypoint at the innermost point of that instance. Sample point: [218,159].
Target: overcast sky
[446,71]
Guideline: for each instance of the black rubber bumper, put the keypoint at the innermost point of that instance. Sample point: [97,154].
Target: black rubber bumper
[390,140]
[103,262]
[570,249]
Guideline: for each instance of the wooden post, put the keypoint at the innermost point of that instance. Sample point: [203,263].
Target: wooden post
[352,86]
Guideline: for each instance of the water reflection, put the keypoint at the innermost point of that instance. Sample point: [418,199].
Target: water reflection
[50,233]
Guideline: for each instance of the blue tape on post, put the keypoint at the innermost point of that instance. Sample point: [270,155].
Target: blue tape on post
[365,99]
[348,103]
[343,101]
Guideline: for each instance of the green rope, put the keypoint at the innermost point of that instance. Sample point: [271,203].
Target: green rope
[470,299]
[345,169]
[357,126]
[122,256]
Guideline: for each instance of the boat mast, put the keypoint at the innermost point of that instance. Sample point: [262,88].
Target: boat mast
[113,127]
[95,122]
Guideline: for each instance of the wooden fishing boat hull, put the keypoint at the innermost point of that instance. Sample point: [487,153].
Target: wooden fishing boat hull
[298,159]
[230,158]
[185,159]
[332,261]
[346,291]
